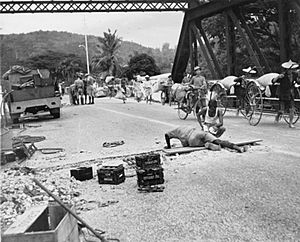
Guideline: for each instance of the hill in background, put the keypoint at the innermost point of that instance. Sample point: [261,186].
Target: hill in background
[18,47]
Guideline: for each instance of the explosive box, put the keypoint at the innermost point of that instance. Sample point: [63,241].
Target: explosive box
[148,160]
[82,173]
[150,176]
[111,174]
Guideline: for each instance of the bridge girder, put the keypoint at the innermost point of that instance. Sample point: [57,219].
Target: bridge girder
[92,6]
[235,19]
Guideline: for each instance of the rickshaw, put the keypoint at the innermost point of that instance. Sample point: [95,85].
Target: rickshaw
[252,97]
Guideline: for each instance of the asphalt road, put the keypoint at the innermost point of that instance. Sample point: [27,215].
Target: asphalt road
[86,127]
[209,196]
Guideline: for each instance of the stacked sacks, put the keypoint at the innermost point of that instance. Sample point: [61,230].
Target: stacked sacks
[178,92]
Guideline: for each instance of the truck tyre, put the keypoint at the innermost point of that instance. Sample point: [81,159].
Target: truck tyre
[55,112]
[15,118]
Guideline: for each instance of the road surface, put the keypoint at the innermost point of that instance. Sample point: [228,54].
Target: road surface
[208,196]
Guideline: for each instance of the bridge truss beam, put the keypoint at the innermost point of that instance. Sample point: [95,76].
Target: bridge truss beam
[92,6]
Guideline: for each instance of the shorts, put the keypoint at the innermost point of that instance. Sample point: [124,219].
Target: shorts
[80,91]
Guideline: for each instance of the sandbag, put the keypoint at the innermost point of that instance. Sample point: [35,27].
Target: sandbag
[266,80]
[178,91]
[228,81]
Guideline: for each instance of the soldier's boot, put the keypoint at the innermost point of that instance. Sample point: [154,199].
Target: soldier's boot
[82,100]
[92,100]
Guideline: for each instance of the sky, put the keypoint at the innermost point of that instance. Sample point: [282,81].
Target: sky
[151,29]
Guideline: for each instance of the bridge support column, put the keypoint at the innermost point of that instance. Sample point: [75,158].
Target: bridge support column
[284,31]
[210,51]
[230,46]
[253,55]
[193,50]
[256,48]
[203,49]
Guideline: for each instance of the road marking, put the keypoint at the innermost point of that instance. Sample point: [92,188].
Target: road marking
[140,117]
[285,152]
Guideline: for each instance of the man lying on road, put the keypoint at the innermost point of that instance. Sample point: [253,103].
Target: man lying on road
[195,137]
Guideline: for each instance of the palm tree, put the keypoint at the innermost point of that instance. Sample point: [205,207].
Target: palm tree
[107,60]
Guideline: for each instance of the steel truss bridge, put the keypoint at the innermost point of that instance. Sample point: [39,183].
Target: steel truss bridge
[193,41]
[92,6]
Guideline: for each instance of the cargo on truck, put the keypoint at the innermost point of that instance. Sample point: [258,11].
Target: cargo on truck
[31,92]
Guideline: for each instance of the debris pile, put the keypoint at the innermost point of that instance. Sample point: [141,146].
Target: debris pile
[19,192]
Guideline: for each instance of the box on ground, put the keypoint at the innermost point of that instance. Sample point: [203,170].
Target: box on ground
[82,173]
[111,175]
[148,160]
[149,177]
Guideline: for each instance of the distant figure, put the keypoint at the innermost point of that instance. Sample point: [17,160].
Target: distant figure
[211,119]
[286,91]
[195,137]
[199,81]
[167,89]
[85,88]
[148,89]
[63,88]
[90,88]
[79,86]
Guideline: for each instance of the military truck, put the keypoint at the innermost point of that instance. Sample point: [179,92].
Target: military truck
[31,92]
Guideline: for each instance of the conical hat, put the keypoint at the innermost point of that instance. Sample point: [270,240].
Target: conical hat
[290,65]
[249,70]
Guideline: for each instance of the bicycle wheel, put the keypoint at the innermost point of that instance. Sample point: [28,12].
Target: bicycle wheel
[182,110]
[163,98]
[286,116]
[197,107]
[255,104]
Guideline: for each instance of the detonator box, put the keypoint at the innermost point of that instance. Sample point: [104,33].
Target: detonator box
[150,176]
[111,174]
[148,160]
[82,173]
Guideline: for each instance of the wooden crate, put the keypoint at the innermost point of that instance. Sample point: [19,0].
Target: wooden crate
[43,224]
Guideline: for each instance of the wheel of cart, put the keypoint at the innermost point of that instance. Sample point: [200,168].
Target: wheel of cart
[253,103]
[218,93]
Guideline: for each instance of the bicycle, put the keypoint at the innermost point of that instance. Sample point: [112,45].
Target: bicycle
[192,102]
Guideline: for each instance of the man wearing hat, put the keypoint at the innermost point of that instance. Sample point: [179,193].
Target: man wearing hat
[286,90]
[199,81]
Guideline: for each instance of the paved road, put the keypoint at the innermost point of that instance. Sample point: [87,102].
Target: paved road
[209,196]
[142,127]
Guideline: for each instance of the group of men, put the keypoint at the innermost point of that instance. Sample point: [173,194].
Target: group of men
[210,118]
[83,88]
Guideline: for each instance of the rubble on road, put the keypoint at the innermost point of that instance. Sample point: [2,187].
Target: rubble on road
[20,193]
